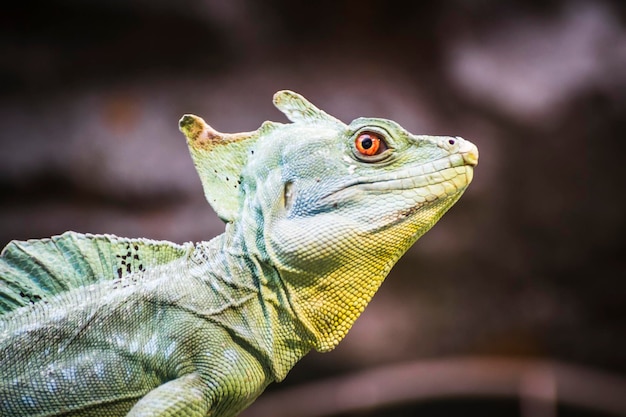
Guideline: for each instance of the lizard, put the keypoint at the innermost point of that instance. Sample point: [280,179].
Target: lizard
[316,213]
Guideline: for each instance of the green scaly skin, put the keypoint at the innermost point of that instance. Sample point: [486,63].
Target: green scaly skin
[108,326]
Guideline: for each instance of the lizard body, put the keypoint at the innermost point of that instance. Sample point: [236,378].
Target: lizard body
[317,212]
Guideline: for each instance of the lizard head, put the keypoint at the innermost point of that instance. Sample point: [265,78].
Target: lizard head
[331,206]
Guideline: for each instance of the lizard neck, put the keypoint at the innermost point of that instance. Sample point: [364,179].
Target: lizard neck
[257,299]
[330,288]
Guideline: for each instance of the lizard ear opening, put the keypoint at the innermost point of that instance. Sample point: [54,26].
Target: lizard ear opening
[298,109]
[219,159]
[288,195]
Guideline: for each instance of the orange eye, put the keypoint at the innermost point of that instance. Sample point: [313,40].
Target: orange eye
[370,143]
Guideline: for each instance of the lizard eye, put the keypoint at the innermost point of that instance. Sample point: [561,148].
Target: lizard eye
[370,144]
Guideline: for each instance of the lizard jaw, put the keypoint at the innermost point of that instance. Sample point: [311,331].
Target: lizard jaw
[440,178]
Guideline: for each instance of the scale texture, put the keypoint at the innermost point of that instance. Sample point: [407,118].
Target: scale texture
[317,212]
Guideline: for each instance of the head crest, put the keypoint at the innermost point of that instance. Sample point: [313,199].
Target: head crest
[220,157]
[300,110]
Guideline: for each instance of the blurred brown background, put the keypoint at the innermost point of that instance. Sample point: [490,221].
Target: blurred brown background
[530,263]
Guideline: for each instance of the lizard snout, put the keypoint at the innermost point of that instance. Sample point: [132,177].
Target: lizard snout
[465,148]
[469,151]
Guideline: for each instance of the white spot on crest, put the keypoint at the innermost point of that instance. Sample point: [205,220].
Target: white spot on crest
[151,347]
[28,400]
[69,373]
[98,369]
[133,346]
[51,385]
[169,350]
[231,355]
[120,340]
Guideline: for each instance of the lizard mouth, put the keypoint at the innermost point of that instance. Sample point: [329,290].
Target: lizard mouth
[430,181]
[442,176]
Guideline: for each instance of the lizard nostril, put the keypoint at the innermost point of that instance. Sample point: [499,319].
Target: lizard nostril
[451,141]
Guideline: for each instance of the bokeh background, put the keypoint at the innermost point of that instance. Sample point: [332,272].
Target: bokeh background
[529,265]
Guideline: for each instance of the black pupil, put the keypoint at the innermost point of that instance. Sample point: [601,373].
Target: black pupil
[366,143]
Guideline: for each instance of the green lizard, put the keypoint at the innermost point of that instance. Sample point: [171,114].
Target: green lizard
[317,212]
